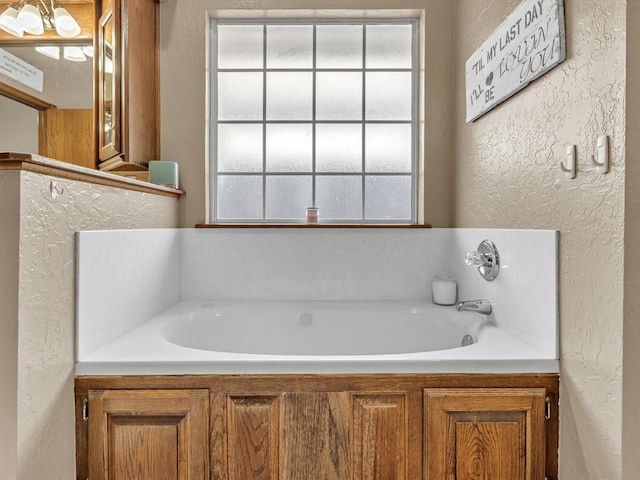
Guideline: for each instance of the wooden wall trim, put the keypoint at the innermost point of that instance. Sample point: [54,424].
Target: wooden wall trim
[313,225]
[22,97]
[46,166]
[268,384]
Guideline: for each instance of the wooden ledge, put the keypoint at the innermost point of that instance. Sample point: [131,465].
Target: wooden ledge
[46,166]
[311,225]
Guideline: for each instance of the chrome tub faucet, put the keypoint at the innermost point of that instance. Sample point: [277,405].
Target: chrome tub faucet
[479,306]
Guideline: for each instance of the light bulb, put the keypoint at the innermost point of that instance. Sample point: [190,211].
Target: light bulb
[66,25]
[49,51]
[74,54]
[31,20]
[9,22]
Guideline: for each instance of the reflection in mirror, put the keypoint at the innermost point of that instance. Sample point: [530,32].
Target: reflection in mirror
[107,61]
[109,91]
[18,126]
[65,132]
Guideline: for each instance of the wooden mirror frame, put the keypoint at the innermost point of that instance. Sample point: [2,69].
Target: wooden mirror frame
[24,98]
[114,147]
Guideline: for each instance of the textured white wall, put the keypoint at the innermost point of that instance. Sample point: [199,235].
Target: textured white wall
[507,176]
[46,309]
[183,50]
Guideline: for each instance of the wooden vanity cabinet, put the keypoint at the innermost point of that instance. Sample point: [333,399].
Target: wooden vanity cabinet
[127,83]
[321,427]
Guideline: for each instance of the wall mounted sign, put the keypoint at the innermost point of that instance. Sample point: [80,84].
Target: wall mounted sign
[529,43]
[21,71]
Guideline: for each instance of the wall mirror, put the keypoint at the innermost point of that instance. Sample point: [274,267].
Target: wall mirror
[62,126]
[56,122]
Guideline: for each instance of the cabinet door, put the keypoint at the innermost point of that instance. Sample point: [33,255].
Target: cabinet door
[148,434]
[478,433]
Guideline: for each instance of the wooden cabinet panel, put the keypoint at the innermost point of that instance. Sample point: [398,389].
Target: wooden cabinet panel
[67,135]
[314,436]
[380,437]
[480,433]
[244,436]
[148,434]
[253,437]
[134,446]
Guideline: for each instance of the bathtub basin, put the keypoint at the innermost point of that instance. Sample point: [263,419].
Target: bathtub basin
[202,337]
[305,328]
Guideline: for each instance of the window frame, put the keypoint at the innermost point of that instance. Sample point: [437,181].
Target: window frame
[416,162]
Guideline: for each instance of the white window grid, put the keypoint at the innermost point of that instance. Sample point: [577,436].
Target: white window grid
[213,146]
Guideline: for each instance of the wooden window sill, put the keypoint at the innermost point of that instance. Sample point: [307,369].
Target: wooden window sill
[47,166]
[311,225]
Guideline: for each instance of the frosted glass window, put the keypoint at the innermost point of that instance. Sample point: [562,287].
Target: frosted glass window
[338,96]
[289,46]
[239,96]
[388,96]
[314,113]
[389,46]
[289,147]
[338,147]
[239,197]
[339,46]
[240,46]
[239,148]
[388,197]
[289,96]
[288,196]
[339,197]
[388,147]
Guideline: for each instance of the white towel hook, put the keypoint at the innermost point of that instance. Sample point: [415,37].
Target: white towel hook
[569,164]
[601,158]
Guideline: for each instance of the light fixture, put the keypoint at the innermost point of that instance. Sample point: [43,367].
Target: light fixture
[49,50]
[88,51]
[31,19]
[9,21]
[74,54]
[65,24]
[34,17]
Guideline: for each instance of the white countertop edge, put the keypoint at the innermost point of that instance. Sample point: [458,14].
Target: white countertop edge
[501,366]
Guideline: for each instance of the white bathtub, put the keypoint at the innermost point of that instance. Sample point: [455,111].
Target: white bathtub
[199,337]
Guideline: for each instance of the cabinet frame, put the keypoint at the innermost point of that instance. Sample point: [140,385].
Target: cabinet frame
[266,396]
